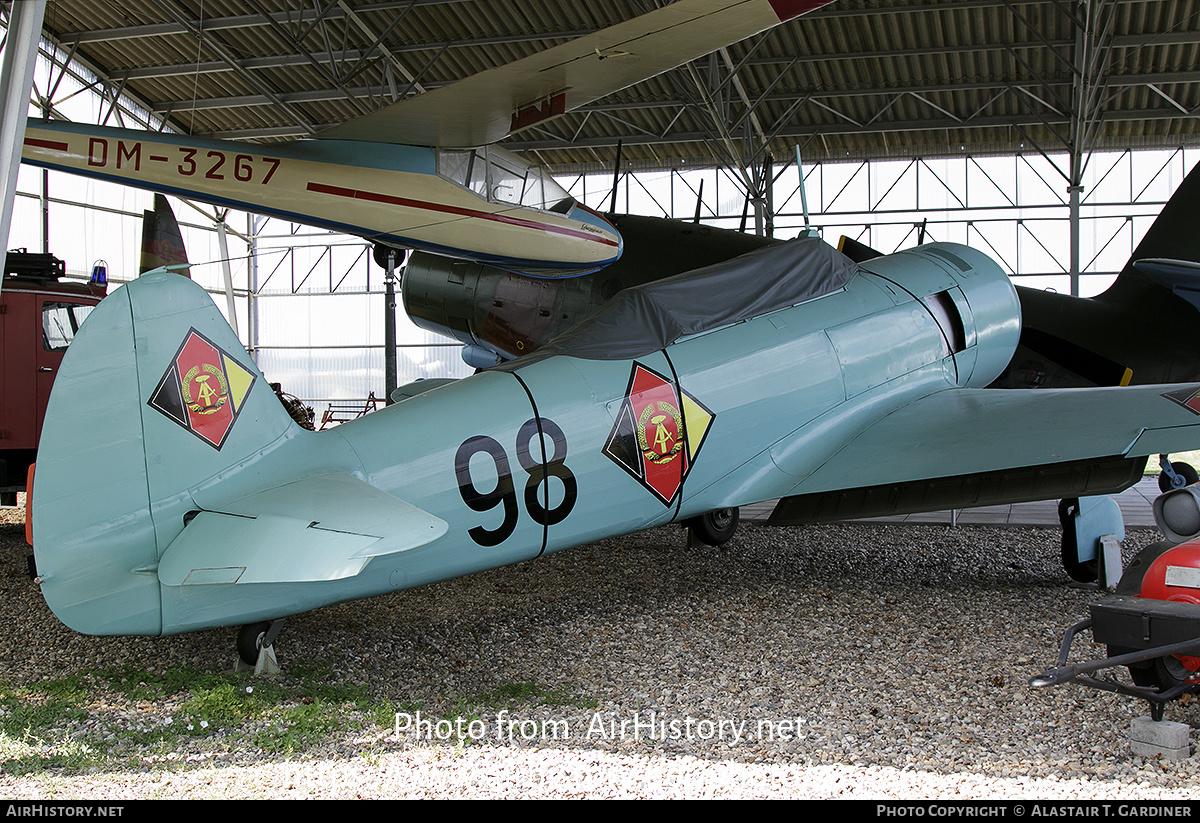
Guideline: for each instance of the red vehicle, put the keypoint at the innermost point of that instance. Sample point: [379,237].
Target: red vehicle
[39,315]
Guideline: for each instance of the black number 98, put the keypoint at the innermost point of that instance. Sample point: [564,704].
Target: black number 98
[505,493]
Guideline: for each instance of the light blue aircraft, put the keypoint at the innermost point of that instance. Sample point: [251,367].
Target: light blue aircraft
[174,493]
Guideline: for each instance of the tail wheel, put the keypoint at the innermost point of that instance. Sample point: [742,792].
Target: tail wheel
[249,640]
[715,528]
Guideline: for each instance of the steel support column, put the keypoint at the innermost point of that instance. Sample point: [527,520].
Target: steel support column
[1075,191]
[16,83]
[226,271]
[253,225]
[389,329]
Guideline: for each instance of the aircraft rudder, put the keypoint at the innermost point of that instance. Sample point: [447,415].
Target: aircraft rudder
[90,472]
[195,377]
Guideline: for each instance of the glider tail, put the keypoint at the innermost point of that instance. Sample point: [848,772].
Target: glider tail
[156,399]
[1144,329]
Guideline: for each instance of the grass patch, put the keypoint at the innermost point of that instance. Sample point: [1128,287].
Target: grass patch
[27,755]
[36,726]
[117,717]
[512,695]
[1192,457]
[482,708]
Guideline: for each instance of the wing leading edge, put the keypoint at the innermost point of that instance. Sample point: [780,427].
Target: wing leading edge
[992,430]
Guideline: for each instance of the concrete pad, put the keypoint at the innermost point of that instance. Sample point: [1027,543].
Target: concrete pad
[1164,738]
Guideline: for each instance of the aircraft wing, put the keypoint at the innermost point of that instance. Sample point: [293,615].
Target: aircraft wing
[990,430]
[485,107]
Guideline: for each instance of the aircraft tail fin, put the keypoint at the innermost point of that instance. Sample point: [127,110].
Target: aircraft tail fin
[1172,236]
[162,242]
[155,396]
[1141,330]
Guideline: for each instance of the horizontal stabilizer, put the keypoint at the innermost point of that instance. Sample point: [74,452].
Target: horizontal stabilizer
[319,528]
[1180,276]
[421,386]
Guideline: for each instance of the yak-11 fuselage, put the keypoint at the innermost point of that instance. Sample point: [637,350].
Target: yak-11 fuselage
[759,378]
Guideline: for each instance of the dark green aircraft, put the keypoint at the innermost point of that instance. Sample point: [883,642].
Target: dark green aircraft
[499,315]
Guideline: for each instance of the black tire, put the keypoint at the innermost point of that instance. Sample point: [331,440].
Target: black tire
[715,528]
[1130,584]
[1079,572]
[1066,510]
[1184,470]
[247,641]
[379,253]
[1162,673]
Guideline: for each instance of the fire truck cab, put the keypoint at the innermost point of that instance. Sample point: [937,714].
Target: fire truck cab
[39,315]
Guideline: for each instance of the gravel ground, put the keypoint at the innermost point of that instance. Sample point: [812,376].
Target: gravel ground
[849,661]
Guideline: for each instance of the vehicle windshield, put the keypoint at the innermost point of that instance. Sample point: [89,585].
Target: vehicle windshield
[60,322]
[501,177]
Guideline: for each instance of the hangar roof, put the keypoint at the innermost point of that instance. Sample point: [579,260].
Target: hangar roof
[858,79]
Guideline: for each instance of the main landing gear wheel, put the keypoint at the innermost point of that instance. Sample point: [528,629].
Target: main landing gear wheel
[1184,471]
[715,528]
[1080,572]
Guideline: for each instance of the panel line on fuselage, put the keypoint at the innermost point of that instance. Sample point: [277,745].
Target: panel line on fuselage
[545,477]
[683,430]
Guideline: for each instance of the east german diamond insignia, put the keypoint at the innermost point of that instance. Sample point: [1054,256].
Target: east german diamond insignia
[1187,398]
[203,390]
[658,433]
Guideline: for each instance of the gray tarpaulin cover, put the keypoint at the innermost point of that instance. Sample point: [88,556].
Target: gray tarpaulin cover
[650,317]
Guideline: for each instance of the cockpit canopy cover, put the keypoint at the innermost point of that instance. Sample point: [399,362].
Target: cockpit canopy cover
[651,317]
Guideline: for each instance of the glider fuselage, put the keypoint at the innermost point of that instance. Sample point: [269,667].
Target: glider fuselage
[391,194]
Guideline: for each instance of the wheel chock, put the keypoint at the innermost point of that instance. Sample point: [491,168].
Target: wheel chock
[266,664]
